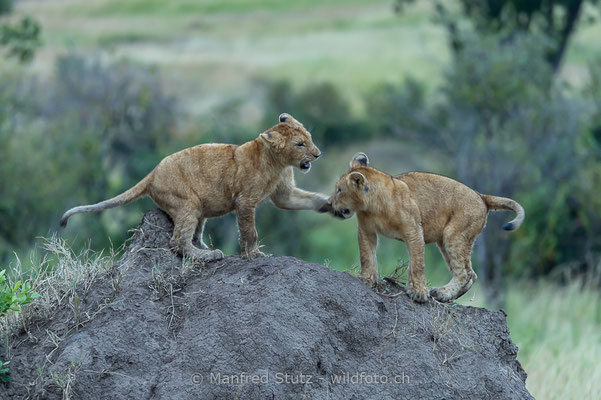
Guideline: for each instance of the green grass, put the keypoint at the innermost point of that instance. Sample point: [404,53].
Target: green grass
[212,51]
[124,38]
[558,331]
[160,7]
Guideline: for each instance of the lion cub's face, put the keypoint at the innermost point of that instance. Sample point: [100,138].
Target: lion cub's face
[351,189]
[292,143]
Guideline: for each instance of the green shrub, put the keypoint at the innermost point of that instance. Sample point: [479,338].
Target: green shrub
[21,39]
[12,298]
[401,111]
[322,108]
[87,135]
[4,371]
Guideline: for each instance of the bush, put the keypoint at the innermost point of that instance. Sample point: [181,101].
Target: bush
[401,111]
[12,298]
[21,39]
[90,134]
[322,108]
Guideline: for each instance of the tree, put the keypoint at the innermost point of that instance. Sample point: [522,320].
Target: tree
[21,39]
[557,19]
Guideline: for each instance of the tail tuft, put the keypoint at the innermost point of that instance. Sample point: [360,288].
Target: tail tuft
[504,203]
[64,220]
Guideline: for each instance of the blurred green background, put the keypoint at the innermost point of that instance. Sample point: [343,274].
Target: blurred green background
[504,96]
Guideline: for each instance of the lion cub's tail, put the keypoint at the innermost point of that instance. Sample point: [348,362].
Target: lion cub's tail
[503,203]
[126,197]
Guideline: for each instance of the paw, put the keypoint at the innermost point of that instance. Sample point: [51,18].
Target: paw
[326,208]
[214,255]
[419,296]
[370,280]
[465,287]
[323,205]
[441,294]
[204,256]
[256,253]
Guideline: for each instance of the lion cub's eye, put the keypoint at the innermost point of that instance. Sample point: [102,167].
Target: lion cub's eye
[300,144]
[339,190]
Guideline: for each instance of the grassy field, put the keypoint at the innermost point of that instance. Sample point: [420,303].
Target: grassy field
[211,51]
[558,331]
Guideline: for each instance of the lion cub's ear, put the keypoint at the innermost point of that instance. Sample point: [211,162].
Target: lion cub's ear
[285,117]
[358,181]
[358,160]
[270,137]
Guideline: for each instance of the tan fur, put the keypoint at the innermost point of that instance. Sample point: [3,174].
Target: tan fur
[417,208]
[211,180]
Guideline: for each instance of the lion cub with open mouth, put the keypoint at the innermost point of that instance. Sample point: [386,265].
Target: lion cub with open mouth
[417,208]
[210,180]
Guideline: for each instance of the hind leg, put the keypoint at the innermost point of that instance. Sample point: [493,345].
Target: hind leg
[472,277]
[456,248]
[460,279]
[185,223]
[197,241]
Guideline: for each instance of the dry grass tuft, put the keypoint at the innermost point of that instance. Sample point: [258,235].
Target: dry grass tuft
[61,278]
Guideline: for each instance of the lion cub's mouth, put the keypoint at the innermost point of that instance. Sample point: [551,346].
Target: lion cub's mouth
[305,166]
[344,213]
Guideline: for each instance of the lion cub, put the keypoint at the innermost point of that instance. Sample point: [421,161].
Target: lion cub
[211,180]
[417,208]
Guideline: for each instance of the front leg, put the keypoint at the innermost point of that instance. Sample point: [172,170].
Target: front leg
[248,233]
[288,197]
[368,242]
[298,199]
[416,285]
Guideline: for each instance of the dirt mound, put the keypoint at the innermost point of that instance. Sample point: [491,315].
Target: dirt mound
[272,328]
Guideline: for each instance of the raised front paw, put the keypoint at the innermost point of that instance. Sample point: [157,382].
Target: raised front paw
[418,295]
[323,205]
[326,208]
